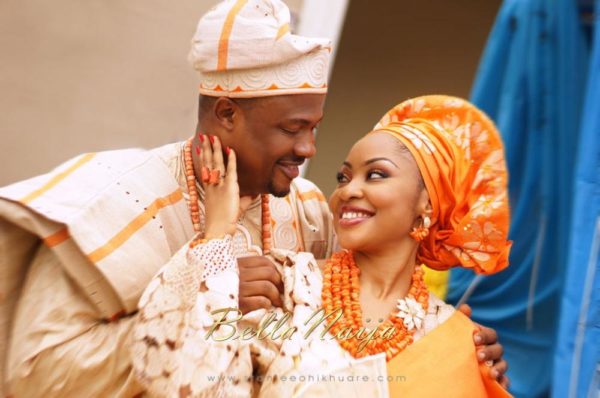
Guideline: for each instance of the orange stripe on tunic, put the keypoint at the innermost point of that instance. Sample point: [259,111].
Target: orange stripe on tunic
[226,33]
[124,234]
[57,238]
[443,364]
[312,195]
[283,29]
[57,179]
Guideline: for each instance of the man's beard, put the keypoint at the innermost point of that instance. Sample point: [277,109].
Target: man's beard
[279,193]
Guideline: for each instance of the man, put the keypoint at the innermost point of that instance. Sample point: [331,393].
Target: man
[80,244]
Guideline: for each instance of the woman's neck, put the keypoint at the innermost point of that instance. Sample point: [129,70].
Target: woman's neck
[387,274]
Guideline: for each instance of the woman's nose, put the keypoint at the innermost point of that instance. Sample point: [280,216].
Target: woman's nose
[351,190]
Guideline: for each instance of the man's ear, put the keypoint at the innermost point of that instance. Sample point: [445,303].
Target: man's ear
[225,111]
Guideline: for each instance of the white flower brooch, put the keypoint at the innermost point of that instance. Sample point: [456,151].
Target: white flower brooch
[411,312]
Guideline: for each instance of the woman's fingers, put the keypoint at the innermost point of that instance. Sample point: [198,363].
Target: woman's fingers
[206,152]
[217,155]
[231,172]
[206,158]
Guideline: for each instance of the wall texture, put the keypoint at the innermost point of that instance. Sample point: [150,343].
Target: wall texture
[80,76]
[392,50]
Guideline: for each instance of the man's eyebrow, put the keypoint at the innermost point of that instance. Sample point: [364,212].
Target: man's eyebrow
[373,160]
[302,121]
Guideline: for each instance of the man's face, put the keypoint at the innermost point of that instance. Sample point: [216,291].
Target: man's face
[272,137]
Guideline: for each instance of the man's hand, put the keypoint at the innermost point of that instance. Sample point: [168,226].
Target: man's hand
[489,350]
[260,284]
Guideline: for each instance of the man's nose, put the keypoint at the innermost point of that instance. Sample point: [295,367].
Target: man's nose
[305,146]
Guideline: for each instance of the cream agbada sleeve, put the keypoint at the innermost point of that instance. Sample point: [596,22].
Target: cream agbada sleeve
[60,347]
[177,349]
[171,354]
[174,353]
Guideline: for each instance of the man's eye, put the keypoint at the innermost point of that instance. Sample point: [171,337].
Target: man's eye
[376,175]
[341,177]
[290,131]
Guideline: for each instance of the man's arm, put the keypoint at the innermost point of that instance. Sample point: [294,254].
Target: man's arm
[59,346]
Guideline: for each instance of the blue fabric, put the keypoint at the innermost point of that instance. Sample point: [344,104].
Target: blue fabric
[577,356]
[531,82]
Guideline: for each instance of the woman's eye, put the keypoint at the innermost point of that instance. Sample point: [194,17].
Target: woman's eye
[376,175]
[341,177]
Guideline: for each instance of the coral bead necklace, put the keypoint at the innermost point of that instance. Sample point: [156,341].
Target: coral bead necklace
[341,290]
[194,196]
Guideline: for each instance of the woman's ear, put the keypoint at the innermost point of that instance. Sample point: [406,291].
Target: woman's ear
[424,207]
[423,203]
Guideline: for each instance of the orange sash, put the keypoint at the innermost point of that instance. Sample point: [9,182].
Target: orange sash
[442,364]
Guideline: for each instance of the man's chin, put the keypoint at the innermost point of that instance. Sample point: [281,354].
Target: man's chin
[278,190]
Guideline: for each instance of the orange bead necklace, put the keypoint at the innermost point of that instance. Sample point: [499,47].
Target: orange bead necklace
[194,197]
[341,289]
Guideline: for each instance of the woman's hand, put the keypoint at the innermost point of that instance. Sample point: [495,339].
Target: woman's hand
[223,205]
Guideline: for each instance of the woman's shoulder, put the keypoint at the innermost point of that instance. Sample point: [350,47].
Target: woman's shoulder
[438,312]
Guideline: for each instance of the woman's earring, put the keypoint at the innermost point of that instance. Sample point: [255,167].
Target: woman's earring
[420,233]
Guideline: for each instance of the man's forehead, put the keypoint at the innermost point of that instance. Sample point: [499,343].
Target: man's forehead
[293,108]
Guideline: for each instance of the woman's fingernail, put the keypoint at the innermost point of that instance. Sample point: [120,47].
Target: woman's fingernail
[198,150]
[212,139]
[227,150]
[478,339]
[201,136]
[481,355]
[489,363]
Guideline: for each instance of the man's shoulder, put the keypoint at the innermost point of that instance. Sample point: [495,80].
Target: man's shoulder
[80,181]
[306,190]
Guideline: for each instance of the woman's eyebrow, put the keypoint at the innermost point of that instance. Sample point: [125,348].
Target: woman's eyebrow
[373,160]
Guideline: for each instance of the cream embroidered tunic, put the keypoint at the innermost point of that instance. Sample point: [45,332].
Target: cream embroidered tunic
[173,354]
[79,246]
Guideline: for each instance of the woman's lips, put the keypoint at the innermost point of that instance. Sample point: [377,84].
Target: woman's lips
[290,170]
[351,216]
[352,222]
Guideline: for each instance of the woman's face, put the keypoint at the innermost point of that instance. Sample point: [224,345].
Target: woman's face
[379,196]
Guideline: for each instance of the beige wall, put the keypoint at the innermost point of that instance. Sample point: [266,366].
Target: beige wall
[79,76]
[392,50]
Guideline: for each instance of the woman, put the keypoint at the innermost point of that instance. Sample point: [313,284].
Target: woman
[427,186]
